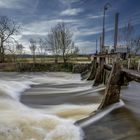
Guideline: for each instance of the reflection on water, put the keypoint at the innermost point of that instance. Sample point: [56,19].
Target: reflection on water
[45,106]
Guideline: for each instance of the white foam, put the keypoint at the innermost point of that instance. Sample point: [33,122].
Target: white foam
[34,125]
[57,78]
[13,88]
[70,111]
[19,122]
[101,114]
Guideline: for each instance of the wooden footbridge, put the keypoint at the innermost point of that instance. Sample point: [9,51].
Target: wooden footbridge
[113,76]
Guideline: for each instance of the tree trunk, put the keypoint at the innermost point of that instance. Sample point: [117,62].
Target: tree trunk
[64,59]
[34,58]
[1,52]
[56,59]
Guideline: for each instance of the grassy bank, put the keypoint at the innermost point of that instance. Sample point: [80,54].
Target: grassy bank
[24,63]
[48,67]
[45,67]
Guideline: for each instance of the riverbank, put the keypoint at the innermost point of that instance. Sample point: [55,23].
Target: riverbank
[79,67]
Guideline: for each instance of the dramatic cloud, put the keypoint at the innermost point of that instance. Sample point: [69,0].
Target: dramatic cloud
[95,16]
[71,12]
[16,4]
[22,6]
[69,1]
[86,47]
[84,17]
[42,27]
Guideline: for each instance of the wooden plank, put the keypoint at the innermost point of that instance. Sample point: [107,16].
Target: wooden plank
[132,75]
[107,67]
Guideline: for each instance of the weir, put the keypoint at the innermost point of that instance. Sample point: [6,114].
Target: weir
[108,69]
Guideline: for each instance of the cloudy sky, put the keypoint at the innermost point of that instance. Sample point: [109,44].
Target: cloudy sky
[83,16]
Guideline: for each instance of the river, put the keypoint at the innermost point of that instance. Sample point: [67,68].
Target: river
[46,106]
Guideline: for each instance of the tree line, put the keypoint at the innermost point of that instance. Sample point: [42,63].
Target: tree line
[58,41]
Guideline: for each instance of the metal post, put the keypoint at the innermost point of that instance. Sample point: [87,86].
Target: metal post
[103,34]
[116,31]
[101,44]
[96,46]
[106,6]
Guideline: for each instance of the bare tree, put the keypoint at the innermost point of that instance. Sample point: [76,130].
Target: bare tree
[53,41]
[127,32]
[8,28]
[74,52]
[19,50]
[66,44]
[33,48]
[60,41]
[42,48]
[10,51]
[135,43]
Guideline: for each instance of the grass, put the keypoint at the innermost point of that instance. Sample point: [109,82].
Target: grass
[52,60]
[42,64]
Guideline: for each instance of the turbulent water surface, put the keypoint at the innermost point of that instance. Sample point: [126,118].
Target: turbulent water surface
[45,106]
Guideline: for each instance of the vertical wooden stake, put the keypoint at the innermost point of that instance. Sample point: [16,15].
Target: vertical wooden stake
[93,70]
[112,92]
[99,74]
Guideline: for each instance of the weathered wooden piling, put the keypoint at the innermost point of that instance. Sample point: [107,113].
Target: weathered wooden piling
[99,73]
[93,69]
[112,76]
[112,92]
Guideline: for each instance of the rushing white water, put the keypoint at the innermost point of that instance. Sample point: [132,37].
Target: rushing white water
[70,111]
[19,122]
[57,101]
[53,122]
[102,114]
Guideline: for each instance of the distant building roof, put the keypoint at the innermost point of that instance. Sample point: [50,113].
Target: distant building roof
[121,49]
[108,48]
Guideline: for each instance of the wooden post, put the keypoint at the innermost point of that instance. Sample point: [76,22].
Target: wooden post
[99,74]
[129,62]
[112,92]
[139,65]
[93,69]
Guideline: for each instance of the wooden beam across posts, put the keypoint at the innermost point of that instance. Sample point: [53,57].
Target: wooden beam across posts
[93,69]
[131,75]
[112,92]
[108,67]
[99,73]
